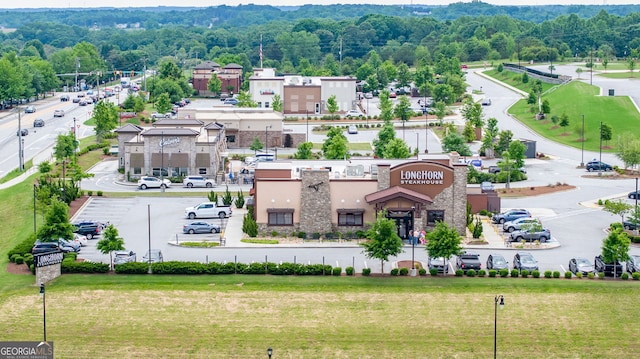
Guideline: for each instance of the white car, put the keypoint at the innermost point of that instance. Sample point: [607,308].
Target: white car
[352,130]
[160,115]
[354,113]
[153,182]
[80,239]
[198,181]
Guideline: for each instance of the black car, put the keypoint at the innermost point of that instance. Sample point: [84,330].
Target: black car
[634,194]
[497,262]
[524,260]
[38,122]
[22,132]
[45,247]
[609,269]
[64,98]
[468,260]
[598,166]
[582,265]
[629,225]
[633,264]
[88,229]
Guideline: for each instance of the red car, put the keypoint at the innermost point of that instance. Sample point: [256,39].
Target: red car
[392,95]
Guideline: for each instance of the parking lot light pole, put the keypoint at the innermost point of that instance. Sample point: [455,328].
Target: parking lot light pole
[582,158]
[35,190]
[600,164]
[44,311]
[413,241]
[150,270]
[162,162]
[498,299]
[269,352]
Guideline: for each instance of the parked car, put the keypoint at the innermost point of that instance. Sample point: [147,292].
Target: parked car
[598,166]
[121,257]
[352,130]
[198,181]
[510,215]
[530,235]
[30,109]
[486,102]
[160,115]
[633,264]
[524,260]
[609,269]
[392,95]
[582,265]
[436,263]
[80,239]
[630,225]
[72,244]
[200,227]
[230,101]
[153,256]
[368,95]
[44,247]
[58,113]
[64,98]
[153,182]
[354,113]
[468,260]
[634,194]
[76,100]
[496,169]
[89,230]
[22,132]
[517,224]
[497,262]
[38,122]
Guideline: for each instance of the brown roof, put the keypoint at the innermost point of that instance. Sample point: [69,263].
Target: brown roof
[394,192]
[232,66]
[207,65]
[178,122]
[170,131]
[129,128]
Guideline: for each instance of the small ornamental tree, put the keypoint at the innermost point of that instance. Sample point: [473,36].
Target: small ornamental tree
[444,241]
[110,242]
[383,240]
[256,145]
[227,199]
[615,248]
[617,208]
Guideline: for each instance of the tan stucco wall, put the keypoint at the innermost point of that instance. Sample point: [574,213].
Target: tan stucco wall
[350,194]
[277,194]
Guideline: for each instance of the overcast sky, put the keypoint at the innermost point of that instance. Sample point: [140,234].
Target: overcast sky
[5,4]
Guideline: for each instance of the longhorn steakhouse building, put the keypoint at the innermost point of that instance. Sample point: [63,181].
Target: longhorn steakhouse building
[343,196]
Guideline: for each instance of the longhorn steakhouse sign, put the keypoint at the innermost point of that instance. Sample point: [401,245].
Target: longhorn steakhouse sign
[47,259]
[428,178]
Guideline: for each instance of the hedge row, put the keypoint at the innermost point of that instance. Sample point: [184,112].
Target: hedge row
[176,267]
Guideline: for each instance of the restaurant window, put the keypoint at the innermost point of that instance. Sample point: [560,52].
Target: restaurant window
[280,216]
[231,138]
[137,170]
[435,216]
[350,218]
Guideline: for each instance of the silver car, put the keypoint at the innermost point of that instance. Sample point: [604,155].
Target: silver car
[198,181]
[517,224]
[200,227]
[153,182]
[153,256]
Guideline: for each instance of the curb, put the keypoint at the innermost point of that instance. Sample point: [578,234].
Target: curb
[81,209]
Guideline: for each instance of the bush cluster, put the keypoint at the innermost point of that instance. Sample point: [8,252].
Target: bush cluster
[190,268]
[71,266]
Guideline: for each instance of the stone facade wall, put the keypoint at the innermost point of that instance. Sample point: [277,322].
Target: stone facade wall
[48,273]
[453,201]
[384,180]
[315,211]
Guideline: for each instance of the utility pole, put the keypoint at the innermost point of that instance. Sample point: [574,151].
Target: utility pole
[340,55]
[20,142]
[144,73]
[77,68]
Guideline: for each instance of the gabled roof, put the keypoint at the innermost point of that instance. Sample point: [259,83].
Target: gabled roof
[129,128]
[395,192]
[232,66]
[214,126]
[186,122]
[207,65]
[170,131]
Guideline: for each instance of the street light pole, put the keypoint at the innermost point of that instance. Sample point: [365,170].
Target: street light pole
[307,126]
[497,299]
[44,311]
[20,142]
[150,270]
[162,162]
[266,138]
[413,241]
[35,188]
[600,164]
[582,158]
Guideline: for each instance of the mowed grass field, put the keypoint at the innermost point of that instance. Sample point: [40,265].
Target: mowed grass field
[575,99]
[117,316]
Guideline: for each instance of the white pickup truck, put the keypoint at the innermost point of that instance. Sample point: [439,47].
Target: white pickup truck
[207,210]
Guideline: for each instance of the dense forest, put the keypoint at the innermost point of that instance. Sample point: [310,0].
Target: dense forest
[403,45]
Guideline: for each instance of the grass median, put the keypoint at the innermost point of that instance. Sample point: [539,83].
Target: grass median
[114,316]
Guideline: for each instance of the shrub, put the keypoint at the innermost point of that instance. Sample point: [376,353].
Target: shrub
[635,275]
[89,193]
[404,271]
[459,272]
[20,260]
[433,272]
[274,233]
[315,235]
[227,199]
[177,267]
[548,274]
[13,257]
[568,275]
[70,266]
[132,268]
[556,274]
[100,193]
[535,274]
[337,271]
[492,273]
[482,273]
[249,225]
[579,275]
[302,235]
[471,273]
[23,248]
[515,273]
[423,272]
[395,271]
[590,275]
[349,270]
[504,272]
[524,273]
[601,275]
[366,272]
[239,202]
[624,275]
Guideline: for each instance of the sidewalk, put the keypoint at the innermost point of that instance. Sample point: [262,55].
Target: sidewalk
[44,155]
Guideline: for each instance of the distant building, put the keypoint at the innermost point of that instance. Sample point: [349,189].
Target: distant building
[230,75]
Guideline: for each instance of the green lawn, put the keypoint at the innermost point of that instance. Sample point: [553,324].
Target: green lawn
[621,75]
[576,99]
[116,316]
[515,80]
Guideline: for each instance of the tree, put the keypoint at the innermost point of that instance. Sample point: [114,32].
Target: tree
[106,117]
[606,132]
[564,121]
[403,111]
[631,64]
[56,223]
[163,103]
[579,72]
[276,103]
[383,240]
[507,166]
[504,140]
[440,109]
[397,148]
[386,106]
[615,247]
[65,148]
[245,100]
[110,242]
[444,241]
[472,112]
[384,137]
[404,75]
[629,150]
[335,145]
[617,208]
[332,104]
[214,84]
[304,151]
[516,152]
[489,138]
[256,145]
[455,142]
